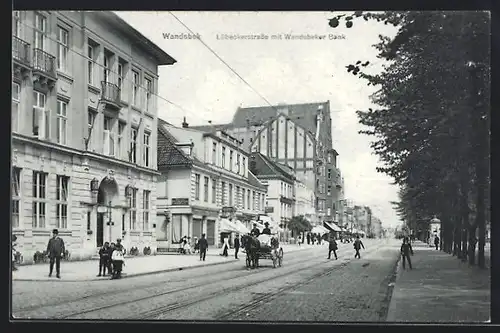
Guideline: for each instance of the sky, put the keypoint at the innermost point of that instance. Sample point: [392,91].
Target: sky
[287,71]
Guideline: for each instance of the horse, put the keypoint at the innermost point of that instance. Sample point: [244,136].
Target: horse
[252,246]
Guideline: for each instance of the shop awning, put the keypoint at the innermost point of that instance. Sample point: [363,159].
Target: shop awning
[227,226]
[241,227]
[332,226]
[319,230]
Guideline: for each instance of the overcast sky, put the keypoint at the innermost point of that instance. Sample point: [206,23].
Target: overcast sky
[282,71]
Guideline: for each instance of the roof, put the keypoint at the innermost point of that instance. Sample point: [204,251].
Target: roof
[211,128]
[161,56]
[254,181]
[264,166]
[169,155]
[303,114]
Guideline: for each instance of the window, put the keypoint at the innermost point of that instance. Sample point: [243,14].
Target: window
[16,24]
[91,61]
[249,206]
[41,116]
[238,166]
[39,199]
[329,211]
[223,192]
[329,190]
[242,198]
[133,145]
[263,197]
[237,201]
[107,66]
[121,129]
[16,196]
[145,209]
[223,164]
[230,195]
[121,74]
[329,173]
[214,153]
[62,202]
[146,153]
[133,209]
[62,49]
[253,200]
[230,160]
[196,186]
[16,100]
[258,201]
[135,88]
[62,121]
[205,188]
[109,137]
[214,190]
[149,91]
[40,31]
[244,165]
[91,119]
[329,158]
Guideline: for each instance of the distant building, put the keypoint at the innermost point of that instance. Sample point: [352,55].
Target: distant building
[297,135]
[206,186]
[84,118]
[305,202]
[376,227]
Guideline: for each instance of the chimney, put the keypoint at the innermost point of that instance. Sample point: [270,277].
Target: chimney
[185,124]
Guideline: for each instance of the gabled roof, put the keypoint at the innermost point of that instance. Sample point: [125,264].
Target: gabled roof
[254,181]
[264,166]
[169,155]
[302,114]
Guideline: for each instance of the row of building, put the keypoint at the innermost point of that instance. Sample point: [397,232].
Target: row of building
[91,158]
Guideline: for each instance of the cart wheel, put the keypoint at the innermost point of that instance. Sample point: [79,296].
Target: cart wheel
[280,257]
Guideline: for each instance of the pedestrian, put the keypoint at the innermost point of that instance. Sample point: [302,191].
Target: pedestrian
[236,246]
[332,247]
[203,245]
[358,244]
[112,247]
[187,246]
[104,259]
[225,247]
[406,249]
[299,240]
[436,242]
[55,251]
[14,244]
[118,260]
[196,245]
[308,238]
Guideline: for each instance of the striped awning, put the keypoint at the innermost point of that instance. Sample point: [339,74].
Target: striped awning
[332,226]
[227,226]
[241,227]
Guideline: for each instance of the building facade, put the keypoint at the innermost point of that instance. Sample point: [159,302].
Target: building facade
[84,121]
[376,227]
[206,186]
[280,201]
[297,135]
[305,202]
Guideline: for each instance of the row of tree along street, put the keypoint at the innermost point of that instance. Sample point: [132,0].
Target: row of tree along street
[431,127]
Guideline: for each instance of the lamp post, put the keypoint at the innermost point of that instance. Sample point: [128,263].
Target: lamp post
[110,222]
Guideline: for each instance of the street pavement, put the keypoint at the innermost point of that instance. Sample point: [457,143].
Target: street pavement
[213,292]
[440,288]
[134,266]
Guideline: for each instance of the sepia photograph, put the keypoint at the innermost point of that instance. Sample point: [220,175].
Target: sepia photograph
[251,166]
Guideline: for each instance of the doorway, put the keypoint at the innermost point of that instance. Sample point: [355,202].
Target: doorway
[100,229]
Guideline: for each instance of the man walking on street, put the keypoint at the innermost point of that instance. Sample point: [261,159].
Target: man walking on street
[236,246]
[405,252]
[332,247]
[203,244]
[358,244]
[55,251]
[436,242]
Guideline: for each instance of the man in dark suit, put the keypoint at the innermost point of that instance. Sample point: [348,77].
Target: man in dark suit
[266,230]
[255,231]
[406,250]
[236,246]
[203,243]
[55,251]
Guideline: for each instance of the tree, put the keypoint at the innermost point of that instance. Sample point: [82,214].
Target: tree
[431,128]
[299,224]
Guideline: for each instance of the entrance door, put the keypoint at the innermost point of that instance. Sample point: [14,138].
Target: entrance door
[100,229]
[211,232]
[197,228]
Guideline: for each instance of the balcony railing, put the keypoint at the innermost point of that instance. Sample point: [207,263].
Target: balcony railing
[20,51]
[111,93]
[44,62]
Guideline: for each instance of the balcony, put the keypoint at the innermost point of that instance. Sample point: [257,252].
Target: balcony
[286,200]
[21,52]
[44,67]
[111,95]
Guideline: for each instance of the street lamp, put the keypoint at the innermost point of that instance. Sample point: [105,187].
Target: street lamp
[110,223]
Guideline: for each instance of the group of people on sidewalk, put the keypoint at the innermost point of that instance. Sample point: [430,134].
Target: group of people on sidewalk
[112,258]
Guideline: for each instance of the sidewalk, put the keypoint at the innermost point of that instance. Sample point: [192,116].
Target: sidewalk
[440,288]
[135,266]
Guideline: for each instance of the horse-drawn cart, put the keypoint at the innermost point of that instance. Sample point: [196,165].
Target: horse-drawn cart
[256,250]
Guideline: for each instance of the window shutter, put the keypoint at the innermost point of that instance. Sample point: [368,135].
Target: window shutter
[106,143]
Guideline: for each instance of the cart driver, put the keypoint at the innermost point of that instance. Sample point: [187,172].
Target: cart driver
[266,230]
[255,231]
